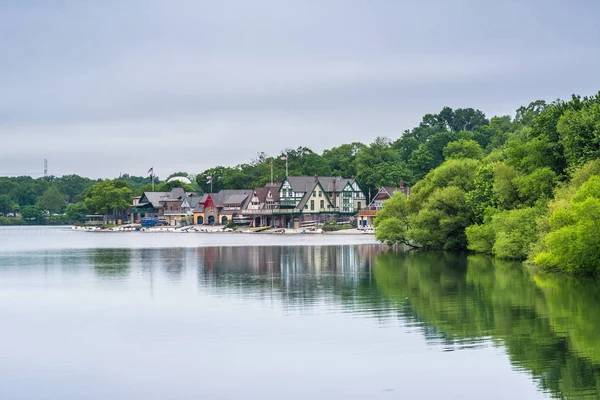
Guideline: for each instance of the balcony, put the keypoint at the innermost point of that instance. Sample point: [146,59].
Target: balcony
[287,202]
[261,211]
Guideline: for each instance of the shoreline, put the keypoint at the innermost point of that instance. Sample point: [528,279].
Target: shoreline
[222,229]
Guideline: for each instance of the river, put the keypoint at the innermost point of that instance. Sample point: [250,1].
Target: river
[89,315]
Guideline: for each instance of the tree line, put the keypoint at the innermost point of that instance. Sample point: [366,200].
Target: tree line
[529,191]
[521,188]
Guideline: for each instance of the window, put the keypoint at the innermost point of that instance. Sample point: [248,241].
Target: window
[306,206]
[314,194]
[320,194]
[322,203]
[359,205]
[312,205]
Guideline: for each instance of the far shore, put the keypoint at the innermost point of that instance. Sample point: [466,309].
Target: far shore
[223,229]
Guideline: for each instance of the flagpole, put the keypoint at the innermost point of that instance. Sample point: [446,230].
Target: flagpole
[271,163]
[153,180]
[286,165]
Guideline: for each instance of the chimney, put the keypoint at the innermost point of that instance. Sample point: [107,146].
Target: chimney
[401,184]
[316,178]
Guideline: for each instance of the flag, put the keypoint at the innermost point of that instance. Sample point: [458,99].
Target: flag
[284,157]
[208,178]
[151,170]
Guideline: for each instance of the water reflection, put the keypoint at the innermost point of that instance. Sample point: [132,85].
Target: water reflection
[111,264]
[547,324]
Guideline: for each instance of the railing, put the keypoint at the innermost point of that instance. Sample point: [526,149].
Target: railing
[175,212]
[258,212]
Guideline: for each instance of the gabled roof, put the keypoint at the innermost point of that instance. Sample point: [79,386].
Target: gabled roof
[199,207]
[193,200]
[302,184]
[308,195]
[274,193]
[224,197]
[154,198]
[234,199]
[261,193]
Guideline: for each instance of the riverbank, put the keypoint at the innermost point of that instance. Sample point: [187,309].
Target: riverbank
[222,229]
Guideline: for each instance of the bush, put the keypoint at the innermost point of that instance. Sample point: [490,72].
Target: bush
[5,221]
[508,234]
[573,243]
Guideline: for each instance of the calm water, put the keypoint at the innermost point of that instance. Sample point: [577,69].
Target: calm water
[192,316]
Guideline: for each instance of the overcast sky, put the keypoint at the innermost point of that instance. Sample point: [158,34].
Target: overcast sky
[113,86]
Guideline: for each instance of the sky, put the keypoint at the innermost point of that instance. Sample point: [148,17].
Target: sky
[106,87]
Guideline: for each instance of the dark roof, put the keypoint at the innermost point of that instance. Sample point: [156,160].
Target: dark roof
[235,199]
[199,207]
[261,193]
[275,194]
[307,195]
[329,183]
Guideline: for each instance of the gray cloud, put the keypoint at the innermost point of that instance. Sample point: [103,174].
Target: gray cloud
[100,88]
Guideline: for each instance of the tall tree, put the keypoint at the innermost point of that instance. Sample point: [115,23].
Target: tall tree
[7,205]
[108,197]
[52,201]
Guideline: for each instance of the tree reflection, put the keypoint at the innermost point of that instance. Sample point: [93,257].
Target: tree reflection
[111,263]
[548,324]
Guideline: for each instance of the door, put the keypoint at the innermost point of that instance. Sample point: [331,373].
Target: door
[211,220]
[200,220]
[224,220]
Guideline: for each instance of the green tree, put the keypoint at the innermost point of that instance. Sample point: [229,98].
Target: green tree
[538,185]
[482,199]
[463,148]
[76,212]
[441,221]
[52,201]
[580,133]
[508,234]
[7,205]
[108,197]
[573,243]
[73,186]
[32,214]
[392,222]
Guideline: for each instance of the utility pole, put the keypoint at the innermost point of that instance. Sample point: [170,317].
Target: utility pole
[45,168]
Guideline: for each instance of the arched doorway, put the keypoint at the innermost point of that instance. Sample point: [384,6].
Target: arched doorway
[223,220]
[211,220]
[200,220]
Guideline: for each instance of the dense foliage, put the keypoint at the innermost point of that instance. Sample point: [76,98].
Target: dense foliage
[527,188]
